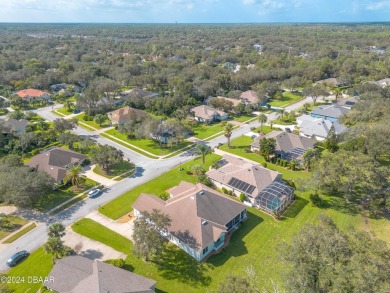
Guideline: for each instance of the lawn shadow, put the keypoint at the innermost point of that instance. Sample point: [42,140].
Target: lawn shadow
[340,204]
[295,208]
[128,267]
[236,246]
[175,264]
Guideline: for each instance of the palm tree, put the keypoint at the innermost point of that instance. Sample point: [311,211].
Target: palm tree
[73,175]
[281,116]
[203,150]
[56,230]
[55,247]
[262,119]
[309,157]
[228,133]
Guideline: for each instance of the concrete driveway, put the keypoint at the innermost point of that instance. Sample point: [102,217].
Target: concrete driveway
[89,248]
[124,229]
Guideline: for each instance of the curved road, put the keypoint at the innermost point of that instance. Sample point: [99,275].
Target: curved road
[146,170]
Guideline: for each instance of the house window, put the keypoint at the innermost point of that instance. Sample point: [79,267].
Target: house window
[205,250]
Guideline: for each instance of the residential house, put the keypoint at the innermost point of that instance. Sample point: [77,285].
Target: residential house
[382,83]
[201,218]
[120,116]
[289,146]
[18,126]
[235,102]
[329,112]
[262,187]
[250,97]
[67,89]
[33,94]
[318,128]
[348,103]
[56,162]
[207,114]
[78,274]
[138,93]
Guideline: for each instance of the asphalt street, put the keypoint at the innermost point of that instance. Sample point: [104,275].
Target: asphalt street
[147,169]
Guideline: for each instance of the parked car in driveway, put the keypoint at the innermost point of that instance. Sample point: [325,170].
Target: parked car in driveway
[17,258]
[94,192]
[76,111]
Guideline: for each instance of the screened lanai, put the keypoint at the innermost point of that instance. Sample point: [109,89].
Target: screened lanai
[275,197]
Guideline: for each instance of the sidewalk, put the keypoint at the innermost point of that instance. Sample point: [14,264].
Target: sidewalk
[88,171]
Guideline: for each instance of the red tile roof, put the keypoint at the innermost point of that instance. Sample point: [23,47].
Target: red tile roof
[31,93]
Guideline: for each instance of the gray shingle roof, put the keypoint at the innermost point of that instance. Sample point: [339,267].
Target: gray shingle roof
[321,128]
[14,124]
[330,111]
[78,274]
[206,112]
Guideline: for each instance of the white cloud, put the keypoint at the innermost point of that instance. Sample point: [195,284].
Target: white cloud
[378,5]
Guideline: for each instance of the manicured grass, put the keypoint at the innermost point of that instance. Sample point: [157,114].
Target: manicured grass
[280,122]
[149,145]
[20,233]
[96,231]
[116,170]
[287,99]
[122,204]
[65,111]
[92,123]
[266,129]
[242,143]
[202,131]
[254,244]
[128,146]
[18,222]
[55,197]
[38,264]
[69,204]
[243,118]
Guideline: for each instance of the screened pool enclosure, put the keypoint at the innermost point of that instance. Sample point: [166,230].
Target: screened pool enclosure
[274,198]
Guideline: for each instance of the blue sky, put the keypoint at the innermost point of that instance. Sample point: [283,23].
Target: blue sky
[194,11]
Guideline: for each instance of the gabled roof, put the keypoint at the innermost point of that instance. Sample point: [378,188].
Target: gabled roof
[79,274]
[250,96]
[206,112]
[14,124]
[347,102]
[331,80]
[199,214]
[123,114]
[31,93]
[321,128]
[243,175]
[333,111]
[287,142]
[54,162]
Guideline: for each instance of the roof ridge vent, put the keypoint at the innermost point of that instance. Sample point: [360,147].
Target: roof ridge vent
[201,192]
[204,222]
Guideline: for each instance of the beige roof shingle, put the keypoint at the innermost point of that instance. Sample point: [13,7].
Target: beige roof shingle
[54,162]
[252,174]
[250,96]
[206,112]
[123,114]
[190,206]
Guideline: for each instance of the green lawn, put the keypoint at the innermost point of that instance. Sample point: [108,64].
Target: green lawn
[148,145]
[287,99]
[20,233]
[96,231]
[18,222]
[55,197]
[253,244]
[116,170]
[266,129]
[38,264]
[65,111]
[280,122]
[243,118]
[91,123]
[202,131]
[242,143]
[118,141]
[122,204]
